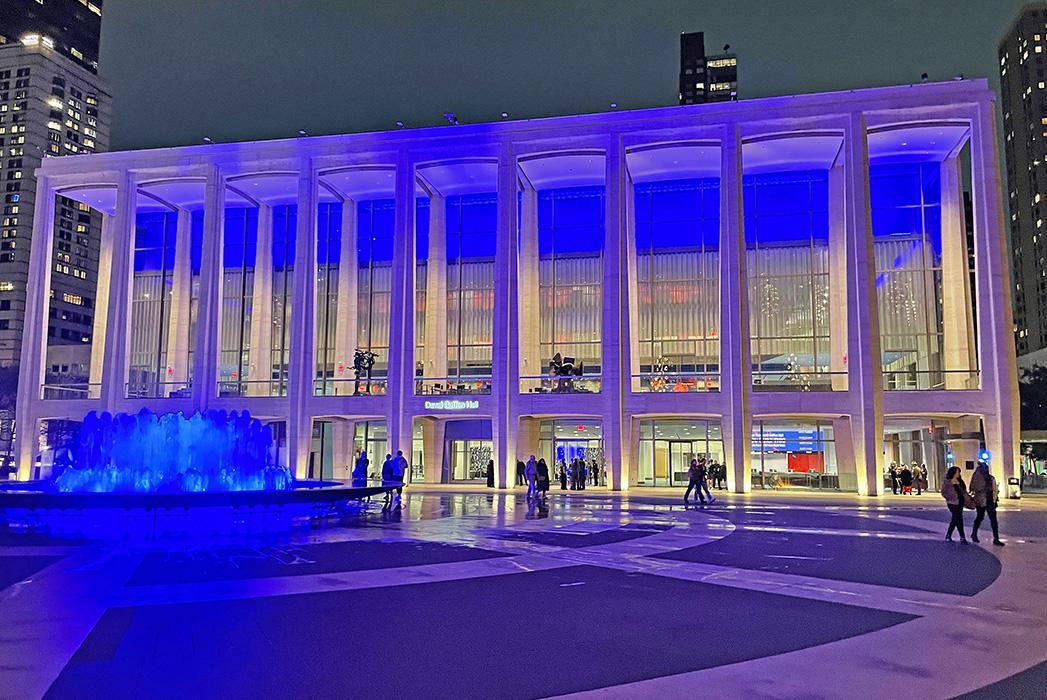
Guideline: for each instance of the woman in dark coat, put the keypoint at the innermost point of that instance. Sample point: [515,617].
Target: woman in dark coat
[490,473]
[543,477]
[954,491]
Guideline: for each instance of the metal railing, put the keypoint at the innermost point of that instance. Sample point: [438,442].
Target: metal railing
[350,386]
[252,388]
[70,390]
[158,390]
[941,379]
[784,380]
[453,386]
[545,384]
[805,480]
[678,382]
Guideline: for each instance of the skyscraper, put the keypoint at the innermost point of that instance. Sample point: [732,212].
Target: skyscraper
[73,26]
[703,77]
[1023,84]
[52,103]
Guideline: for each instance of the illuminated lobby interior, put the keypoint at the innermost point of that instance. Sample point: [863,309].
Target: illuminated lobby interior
[792,286]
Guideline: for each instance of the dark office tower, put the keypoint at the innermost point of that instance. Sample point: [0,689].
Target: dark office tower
[706,78]
[72,26]
[1023,84]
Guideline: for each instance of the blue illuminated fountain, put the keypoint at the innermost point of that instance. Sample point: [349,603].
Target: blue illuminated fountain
[149,453]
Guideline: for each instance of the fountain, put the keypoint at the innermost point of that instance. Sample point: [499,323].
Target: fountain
[148,474]
[147,453]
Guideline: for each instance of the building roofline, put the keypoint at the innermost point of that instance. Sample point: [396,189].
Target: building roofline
[863,99]
[1018,18]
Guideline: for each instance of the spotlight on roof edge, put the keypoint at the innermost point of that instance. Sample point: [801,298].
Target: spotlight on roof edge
[505,115]
[399,124]
[301,132]
[614,105]
[923,77]
[207,139]
[451,119]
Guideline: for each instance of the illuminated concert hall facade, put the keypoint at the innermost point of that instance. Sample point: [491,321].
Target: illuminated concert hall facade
[783,284]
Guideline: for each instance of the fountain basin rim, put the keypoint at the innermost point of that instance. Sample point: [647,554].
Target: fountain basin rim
[21,495]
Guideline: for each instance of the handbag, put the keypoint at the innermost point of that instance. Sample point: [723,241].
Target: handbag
[968,501]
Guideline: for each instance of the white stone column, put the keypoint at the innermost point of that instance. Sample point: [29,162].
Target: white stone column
[965,445]
[865,375]
[209,303]
[260,354]
[302,365]
[34,336]
[346,322]
[401,322]
[838,277]
[735,357]
[101,318]
[613,331]
[118,325]
[433,450]
[436,290]
[177,374]
[342,452]
[957,313]
[999,372]
[505,365]
[528,300]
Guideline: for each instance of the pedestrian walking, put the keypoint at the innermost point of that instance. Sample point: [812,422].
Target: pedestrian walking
[703,474]
[543,477]
[531,475]
[986,493]
[693,483]
[954,491]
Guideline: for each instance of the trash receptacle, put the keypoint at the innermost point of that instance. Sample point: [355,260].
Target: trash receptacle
[1014,487]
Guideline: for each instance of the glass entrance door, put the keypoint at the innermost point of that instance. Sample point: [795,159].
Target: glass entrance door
[680,455]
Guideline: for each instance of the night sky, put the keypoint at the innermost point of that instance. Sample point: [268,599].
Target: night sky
[239,70]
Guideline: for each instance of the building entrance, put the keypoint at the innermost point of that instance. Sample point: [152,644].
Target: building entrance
[470,459]
[562,442]
[668,446]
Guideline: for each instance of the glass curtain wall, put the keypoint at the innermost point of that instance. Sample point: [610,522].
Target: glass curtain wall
[561,441]
[907,244]
[668,446]
[793,453]
[787,255]
[677,227]
[570,269]
[154,259]
[915,440]
[376,221]
[328,254]
[472,224]
[421,271]
[285,219]
[372,437]
[239,252]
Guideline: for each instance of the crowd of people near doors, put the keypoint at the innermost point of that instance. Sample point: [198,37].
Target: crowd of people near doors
[904,479]
[574,476]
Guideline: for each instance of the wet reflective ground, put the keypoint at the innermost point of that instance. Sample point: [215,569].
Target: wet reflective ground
[483,595]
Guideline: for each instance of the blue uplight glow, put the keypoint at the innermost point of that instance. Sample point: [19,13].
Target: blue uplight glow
[211,451]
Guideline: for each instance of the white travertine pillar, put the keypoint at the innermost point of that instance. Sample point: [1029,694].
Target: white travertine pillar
[965,444]
[865,375]
[613,331]
[302,366]
[735,363]
[957,315]
[401,322]
[342,453]
[346,321]
[34,336]
[260,354]
[177,370]
[837,277]
[209,303]
[436,290]
[995,319]
[117,341]
[529,336]
[101,319]
[505,365]
[433,450]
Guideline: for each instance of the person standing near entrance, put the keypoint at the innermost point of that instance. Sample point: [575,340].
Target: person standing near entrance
[400,468]
[563,475]
[531,475]
[892,472]
[917,478]
[986,492]
[520,481]
[360,470]
[543,477]
[490,473]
